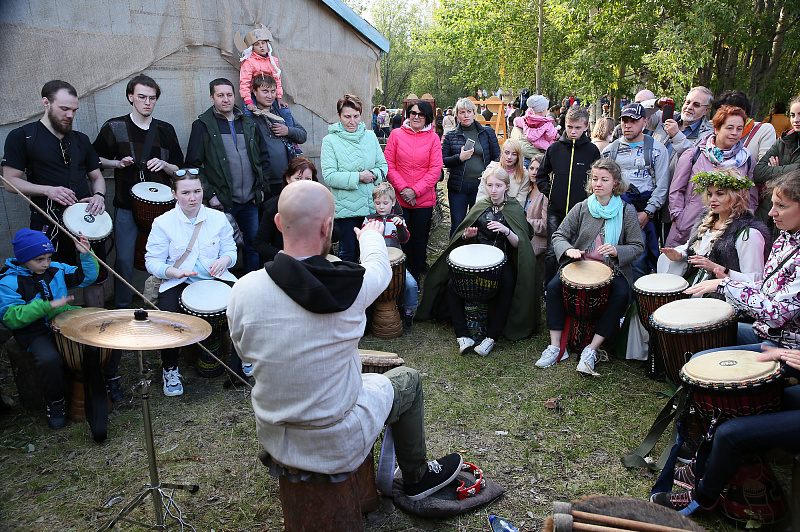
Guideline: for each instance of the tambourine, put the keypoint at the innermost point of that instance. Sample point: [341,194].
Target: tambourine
[463,491]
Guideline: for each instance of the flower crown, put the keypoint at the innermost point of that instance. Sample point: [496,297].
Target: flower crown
[724,179]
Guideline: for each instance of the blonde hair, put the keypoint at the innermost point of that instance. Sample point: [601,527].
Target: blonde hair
[384,188]
[498,172]
[612,167]
[740,206]
[519,167]
[464,103]
[603,129]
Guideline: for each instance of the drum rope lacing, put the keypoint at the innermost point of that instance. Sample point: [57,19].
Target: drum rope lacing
[118,276]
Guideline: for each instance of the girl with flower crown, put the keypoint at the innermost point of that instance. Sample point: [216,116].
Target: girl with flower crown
[728,241]
[722,149]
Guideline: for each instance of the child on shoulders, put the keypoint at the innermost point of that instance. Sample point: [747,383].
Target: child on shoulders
[257,60]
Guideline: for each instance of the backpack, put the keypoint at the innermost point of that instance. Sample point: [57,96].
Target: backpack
[648,154]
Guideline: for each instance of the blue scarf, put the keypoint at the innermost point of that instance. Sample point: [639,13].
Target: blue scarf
[611,213]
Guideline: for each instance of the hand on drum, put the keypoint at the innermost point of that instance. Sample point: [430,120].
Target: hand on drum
[470,232]
[790,356]
[706,287]
[699,261]
[83,243]
[97,205]
[372,225]
[61,301]
[156,165]
[175,273]
[218,266]
[574,253]
[61,195]
[672,254]
[607,250]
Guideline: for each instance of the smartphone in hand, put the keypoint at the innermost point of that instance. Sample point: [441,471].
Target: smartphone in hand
[668,110]
[470,144]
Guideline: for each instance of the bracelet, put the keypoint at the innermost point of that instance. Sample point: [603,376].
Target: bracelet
[99,194]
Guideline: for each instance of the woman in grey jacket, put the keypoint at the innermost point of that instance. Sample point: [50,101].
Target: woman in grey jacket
[605,229]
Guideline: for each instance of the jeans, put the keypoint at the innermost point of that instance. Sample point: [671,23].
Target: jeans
[407,418]
[410,293]
[125,233]
[246,215]
[418,222]
[498,314]
[348,243]
[460,203]
[608,322]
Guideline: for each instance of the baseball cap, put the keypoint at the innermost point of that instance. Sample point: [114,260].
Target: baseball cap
[634,110]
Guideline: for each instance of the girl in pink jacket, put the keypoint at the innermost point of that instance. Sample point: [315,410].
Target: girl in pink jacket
[257,60]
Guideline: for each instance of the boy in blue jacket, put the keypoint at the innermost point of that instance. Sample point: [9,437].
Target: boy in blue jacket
[32,291]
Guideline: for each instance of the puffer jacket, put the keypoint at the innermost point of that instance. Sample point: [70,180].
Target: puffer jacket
[415,162]
[257,65]
[451,149]
[343,156]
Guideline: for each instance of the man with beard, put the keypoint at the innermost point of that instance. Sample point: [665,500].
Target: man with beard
[314,408]
[139,148]
[56,162]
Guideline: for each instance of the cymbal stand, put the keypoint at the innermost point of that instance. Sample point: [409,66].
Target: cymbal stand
[154,488]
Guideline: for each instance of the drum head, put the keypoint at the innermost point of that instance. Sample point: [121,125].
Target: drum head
[152,192]
[729,367]
[76,219]
[379,358]
[586,273]
[694,313]
[661,283]
[332,258]
[62,318]
[396,255]
[476,256]
[206,297]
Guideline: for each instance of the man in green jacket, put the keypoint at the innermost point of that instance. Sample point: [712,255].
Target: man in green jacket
[233,159]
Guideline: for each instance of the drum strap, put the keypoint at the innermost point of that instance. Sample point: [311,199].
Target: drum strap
[664,419]
[148,147]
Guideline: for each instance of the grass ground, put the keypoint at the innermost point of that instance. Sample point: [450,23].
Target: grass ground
[493,410]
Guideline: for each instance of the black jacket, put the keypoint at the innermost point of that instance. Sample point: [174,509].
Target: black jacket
[451,149]
[568,185]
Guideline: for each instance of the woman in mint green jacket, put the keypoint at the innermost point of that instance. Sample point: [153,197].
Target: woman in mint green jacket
[352,162]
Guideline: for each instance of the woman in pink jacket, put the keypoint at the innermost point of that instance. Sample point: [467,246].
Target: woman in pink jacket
[414,155]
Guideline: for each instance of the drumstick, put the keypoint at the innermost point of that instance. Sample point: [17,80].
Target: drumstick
[118,276]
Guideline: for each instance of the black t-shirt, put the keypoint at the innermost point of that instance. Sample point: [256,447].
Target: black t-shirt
[114,142]
[46,164]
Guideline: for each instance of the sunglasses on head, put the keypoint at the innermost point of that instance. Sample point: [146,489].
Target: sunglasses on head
[190,171]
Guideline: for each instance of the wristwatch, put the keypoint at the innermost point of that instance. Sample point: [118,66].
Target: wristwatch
[650,214]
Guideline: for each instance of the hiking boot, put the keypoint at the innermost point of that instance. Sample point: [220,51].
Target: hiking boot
[549,356]
[464,343]
[172,382]
[440,473]
[114,389]
[684,476]
[247,369]
[57,414]
[485,347]
[588,358]
[676,500]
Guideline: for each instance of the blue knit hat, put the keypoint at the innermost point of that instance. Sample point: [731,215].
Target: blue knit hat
[29,244]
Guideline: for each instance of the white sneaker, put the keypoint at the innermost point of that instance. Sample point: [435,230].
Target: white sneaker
[247,369]
[485,347]
[172,382]
[464,343]
[549,356]
[588,358]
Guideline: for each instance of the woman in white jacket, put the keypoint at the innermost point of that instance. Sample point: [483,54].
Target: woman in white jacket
[212,254]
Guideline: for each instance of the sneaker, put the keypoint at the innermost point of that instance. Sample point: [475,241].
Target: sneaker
[688,451]
[676,500]
[57,414]
[464,343]
[588,358]
[485,347]
[684,476]
[172,382]
[113,388]
[408,321]
[247,369]
[440,473]
[549,357]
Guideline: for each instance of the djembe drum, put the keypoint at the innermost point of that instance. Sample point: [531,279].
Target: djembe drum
[688,326]
[73,352]
[96,228]
[150,200]
[585,286]
[208,300]
[475,272]
[386,321]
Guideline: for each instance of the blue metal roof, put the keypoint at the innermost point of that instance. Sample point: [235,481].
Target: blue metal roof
[363,27]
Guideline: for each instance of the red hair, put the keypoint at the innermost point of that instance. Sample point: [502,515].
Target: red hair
[725,112]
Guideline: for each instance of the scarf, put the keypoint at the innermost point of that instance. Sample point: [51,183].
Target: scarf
[718,157]
[611,213]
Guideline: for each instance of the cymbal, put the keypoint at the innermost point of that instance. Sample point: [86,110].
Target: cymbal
[136,329]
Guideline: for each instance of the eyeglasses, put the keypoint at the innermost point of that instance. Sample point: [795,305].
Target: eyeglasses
[190,171]
[143,98]
[696,105]
[414,113]
[64,150]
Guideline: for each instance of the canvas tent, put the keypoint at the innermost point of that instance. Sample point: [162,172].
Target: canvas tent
[325,50]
